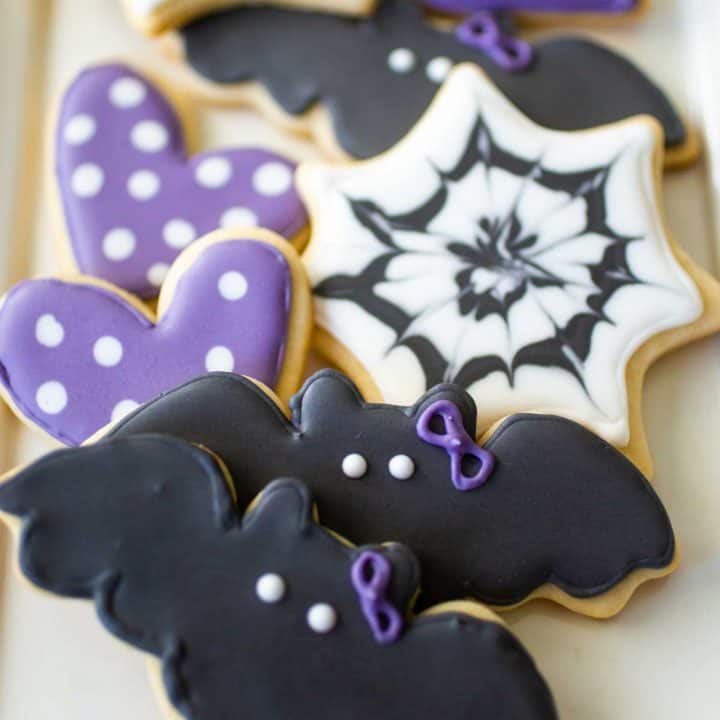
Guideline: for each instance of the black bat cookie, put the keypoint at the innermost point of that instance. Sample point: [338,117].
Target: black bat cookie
[267,616]
[302,58]
[560,505]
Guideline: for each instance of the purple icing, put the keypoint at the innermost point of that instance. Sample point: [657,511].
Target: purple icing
[229,312]
[370,575]
[457,443]
[132,197]
[483,32]
[568,6]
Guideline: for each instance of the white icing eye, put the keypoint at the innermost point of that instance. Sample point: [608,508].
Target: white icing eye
[270,588]
[322,618]
[401,467]
[402,60]
[438,69]
[354,466]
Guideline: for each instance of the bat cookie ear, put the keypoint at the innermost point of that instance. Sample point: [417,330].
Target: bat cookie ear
[284,506]
[326,394]
[453,394]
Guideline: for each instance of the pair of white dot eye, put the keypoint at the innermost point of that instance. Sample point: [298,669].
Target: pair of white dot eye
[404,60]
[401,467]
[321,617]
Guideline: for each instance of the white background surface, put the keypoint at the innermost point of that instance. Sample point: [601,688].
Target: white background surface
[660,659]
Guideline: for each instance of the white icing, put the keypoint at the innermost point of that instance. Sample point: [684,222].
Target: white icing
[123,408]
[143,185]
[239,217]
[322,618]
[145,8]
[156,273]
[49,331]
[272,179]
[402,60]
[213,172]
[107,351]
[80,129]
[119,244]
[438,69]
[401,467]
[270,588]
[354,466]
[87,180]
[421,280]
[178,233]
[149,136]
[127,92]
[232,285]
[51,397]
[219,359]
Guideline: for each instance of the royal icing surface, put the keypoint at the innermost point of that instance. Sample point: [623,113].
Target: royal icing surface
[566,6]
[543,502]
[526,265]
[75,356]
[148,528]
[134,199]
[397,60]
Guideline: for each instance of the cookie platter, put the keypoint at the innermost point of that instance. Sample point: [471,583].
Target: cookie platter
[656,659]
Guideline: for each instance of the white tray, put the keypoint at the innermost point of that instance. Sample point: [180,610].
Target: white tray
[660,659]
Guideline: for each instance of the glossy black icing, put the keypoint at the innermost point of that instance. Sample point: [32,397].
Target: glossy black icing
[147,527]
[562,506]
[304,57]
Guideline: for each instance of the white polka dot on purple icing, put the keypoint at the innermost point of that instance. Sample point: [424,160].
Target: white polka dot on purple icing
[80,129]
[232,285]
[238,217]
[119,244]
[214,172]
[156,273]
[87,180]
[51,397]
[108,351]
[127,92]
[143,185]
[219,359]
[272,178]
[48,331]
[179,233]
[149,136]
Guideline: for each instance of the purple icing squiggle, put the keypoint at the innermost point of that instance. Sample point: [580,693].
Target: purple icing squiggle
[457,443]
[370,575]
[462,7]
[483,32]
[134,199]
[74,356]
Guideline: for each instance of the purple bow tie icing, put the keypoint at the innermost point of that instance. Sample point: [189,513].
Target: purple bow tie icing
[483,32]
[75,356]
[132,197]
[457,443]
[462,7]
[370,574]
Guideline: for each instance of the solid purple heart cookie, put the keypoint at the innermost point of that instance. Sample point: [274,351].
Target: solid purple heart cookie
[134,199]
[75,356]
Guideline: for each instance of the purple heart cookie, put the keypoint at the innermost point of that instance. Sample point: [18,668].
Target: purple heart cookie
[133,198]
[75,356]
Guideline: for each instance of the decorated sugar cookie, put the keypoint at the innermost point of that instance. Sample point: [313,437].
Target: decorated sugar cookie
[157,16]
[76,354]
[542,509]
[132,196]
[563,8]
[246,614]
[398,60]
[529,266]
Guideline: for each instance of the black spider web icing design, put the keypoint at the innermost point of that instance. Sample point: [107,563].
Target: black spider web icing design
[500,262]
